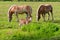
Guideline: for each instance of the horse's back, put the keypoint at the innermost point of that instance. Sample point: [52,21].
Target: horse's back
[13,8]
[24,8]
[45,8]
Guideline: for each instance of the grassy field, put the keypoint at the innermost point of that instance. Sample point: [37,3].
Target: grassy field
[35,30]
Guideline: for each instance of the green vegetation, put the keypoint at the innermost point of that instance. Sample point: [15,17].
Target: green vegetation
[33,31]
[34,0]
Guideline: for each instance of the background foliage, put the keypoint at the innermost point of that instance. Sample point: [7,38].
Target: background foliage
[34,0]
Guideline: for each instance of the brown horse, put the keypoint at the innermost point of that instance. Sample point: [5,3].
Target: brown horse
[25,21]
[43,9]
[14,9]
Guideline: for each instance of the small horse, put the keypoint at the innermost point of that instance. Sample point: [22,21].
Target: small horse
[24,21]
[19,10]
[43,9]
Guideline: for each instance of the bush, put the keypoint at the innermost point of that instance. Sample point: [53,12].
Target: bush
[32,31]
[34,0]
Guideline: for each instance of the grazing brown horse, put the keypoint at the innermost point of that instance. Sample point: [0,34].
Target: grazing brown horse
[43,9]
[14,9]
[25,21]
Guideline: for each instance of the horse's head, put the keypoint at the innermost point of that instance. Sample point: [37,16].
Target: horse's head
[37,17]
[29,19]
[11,10]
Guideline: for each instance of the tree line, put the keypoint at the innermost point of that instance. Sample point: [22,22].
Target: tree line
[34,0]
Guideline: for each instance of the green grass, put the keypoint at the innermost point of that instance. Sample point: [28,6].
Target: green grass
[33,31]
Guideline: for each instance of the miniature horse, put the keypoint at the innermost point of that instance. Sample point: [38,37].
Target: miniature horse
[43,9]
[24,21]
[19,10]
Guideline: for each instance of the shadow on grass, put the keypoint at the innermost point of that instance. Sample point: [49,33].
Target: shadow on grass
[56,21]
[55,38]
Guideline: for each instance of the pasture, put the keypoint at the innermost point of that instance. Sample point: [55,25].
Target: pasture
[35,30]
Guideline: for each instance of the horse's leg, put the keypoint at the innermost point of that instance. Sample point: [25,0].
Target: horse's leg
[26,15]
[10,17]
[30,15]
[48,16]
[17,16]
[43,15]
[52,15]
[38,16]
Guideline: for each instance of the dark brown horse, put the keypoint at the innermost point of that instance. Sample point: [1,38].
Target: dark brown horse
[14,9]
[43,9]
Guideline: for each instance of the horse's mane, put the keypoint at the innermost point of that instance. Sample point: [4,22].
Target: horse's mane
[45,4]
[10,8]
